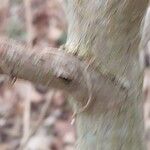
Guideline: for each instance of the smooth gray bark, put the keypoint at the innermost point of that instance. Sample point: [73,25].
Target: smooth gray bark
[106,31]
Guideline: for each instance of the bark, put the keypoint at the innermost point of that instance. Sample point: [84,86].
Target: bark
[107,32]
[110,32]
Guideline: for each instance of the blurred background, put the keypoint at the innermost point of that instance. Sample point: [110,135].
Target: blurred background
[33,117]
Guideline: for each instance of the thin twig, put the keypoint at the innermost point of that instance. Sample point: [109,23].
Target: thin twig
[28,15]
[40,120]
[27,108]
[26,116]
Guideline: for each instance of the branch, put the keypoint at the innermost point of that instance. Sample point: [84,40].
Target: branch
[51,67]
[57,69]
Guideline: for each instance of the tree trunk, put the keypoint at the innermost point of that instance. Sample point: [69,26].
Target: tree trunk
[105,33]
[109,32]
